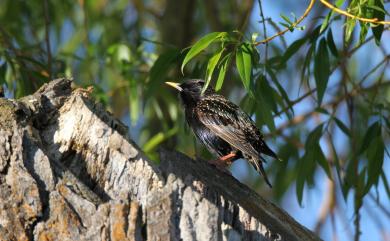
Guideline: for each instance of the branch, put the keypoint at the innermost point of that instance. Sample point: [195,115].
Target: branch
[307,11]
[71,172]
[345,13]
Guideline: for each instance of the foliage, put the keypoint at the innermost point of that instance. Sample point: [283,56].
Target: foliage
[117,47]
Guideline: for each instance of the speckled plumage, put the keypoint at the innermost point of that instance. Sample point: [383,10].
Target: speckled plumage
[222,126]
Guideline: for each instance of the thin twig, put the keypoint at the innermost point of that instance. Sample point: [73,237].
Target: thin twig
[307,11]
[265,35]
[347,14]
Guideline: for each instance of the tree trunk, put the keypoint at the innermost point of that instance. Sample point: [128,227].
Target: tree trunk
[68,171]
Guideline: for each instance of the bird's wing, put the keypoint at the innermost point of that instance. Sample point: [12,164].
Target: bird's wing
[227,121]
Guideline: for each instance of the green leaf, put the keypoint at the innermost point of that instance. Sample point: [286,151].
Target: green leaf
[342,127]
[321,159]
[222,72]
[385,183]
[380,15]
[210,68]
[301,177]
[313,149]
[326,21]
[321,69]
[375,155]
[244,64]
[349,27]
[322,111]
[264,113]
[158,139]
[336,162]
[286,19]
[373,131]
[133,100]
[160,69]
[3,70]
[202,44]
[363,32]
[292,49]
[331,44]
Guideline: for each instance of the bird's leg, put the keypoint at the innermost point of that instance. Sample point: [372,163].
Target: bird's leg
[223,162]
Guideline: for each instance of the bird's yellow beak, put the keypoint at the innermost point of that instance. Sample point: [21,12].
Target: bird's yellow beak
[175,85]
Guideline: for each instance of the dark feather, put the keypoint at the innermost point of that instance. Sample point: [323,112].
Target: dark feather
[222,126]
[230,123]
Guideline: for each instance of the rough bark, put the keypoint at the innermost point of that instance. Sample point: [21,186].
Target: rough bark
[68,171]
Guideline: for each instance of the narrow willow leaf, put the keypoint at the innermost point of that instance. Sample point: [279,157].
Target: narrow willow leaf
[313,149]
[222,72]
[375,155]
[322,111]
[267,92]
[3,70]
[373,131]
[244,64]
[349,27]
[158,139]
[336,162]
[202,44]
[264,113]
[300,183]
[160,69]
[210,68]
[321,159]
[331,44]
[321,69]
[292,49]
[281,90]
[380,15]
[161,65]
[133,100]
[385,183]
[326,21]
[363,31]
[342,127]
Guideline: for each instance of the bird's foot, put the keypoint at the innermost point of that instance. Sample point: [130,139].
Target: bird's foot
[223,162]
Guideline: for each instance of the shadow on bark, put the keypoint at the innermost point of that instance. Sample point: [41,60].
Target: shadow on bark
[68,171]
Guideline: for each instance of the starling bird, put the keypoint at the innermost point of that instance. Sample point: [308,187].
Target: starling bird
[222,126]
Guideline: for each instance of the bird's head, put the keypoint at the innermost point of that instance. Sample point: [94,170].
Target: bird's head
[191,90]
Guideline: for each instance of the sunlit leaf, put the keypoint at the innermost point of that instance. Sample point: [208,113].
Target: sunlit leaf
[244,64]
[158,139]
[349,27]
[326,21]
[213,61]
[133,100]
[222,72]
[199,46]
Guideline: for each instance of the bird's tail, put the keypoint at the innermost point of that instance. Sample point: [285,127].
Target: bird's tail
[258,165]
[266,150]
